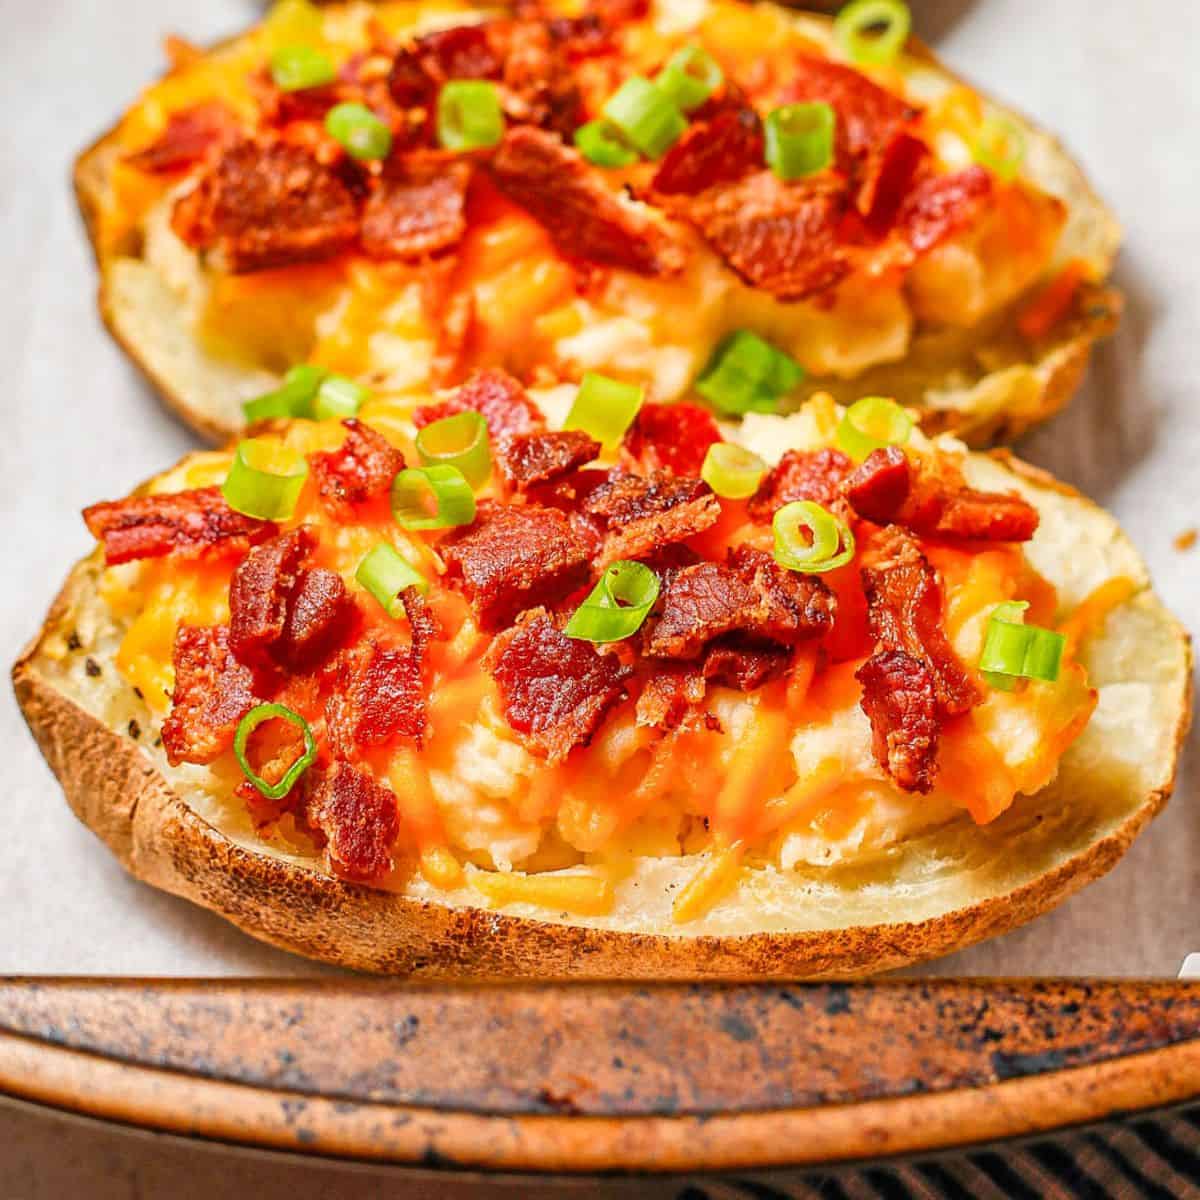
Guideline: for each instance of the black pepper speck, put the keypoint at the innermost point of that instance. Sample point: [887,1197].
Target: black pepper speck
[92,667]
[135,730]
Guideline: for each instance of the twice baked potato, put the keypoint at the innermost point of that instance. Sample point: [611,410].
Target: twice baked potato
[810,696]
[937,247]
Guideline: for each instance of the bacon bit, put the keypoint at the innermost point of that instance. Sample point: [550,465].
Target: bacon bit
[358,820]
[539,87]
[671,437]
[792,607]
[641,515]
[378,696]
[495,393]
[781,237]
[801,475]
[581,37]
[418,208]
[268,204]
[900,702]
[526,459]
[932,498]
[744,663]
[940,205]
[713,152]
[513,558]
[213,692]
[699,603]
[889,180]
[669,695]
[462,52]
[585,219]
[361,469]
[904,611]
[189,136]
[184,523]
[1053,303]
[321,615]
[260,589]
[554,689]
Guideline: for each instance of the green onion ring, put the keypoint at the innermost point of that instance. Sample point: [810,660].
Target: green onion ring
[294,68]
[854,24]
[469,116]
[293,398]
[799,139]
[748,374]
[732,471]
[648,118]
[871,424]
[1013,650]
[362,134]
[690,77]
[385,573]
[339,397]
[828,533]
[257,487]
[1000,146]
[437,497]
[600,142]
[459,441]
[249,723]
[618,604]
[605,408]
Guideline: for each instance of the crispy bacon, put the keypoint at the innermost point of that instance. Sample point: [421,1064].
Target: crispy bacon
[900,701]
[184,523]
[378,697]
[670,694]
[357,818]
[887,182]
[213,692]
[699,603]
[931,498]
[268,204]
[513,558]
[569,197]
[496,394]
[721,150]
[527,459]
[801,475]
[417,209]
[554,689]
[781,237]
[461,52]
[792,607]
[904,611]
[642,514]
[321,615]
[539,86]
[940,205]
[671,437]
[744,663]
[260,590]
[361,469]
[190,135]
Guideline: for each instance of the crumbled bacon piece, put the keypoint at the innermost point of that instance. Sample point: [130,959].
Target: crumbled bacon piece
[261,588]
[539,87]
[555,690]
[712,152]
[744,663]
[188,138]
[941,205]
[699,603]
[184,523]
[569,197]
[904,611]
[418,208]
[931,497]
[671,437]
[901,704]
[378,696]
[669,695]
[359,470]
[641,515]
[793,607]
[358,820]
[213,692]
[527,459]
[889,179]
[801,475]
[461,52]
[268,204]
[321,614]
[497,395]
[513,558]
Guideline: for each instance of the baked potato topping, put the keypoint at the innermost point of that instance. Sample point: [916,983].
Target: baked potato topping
[936,233]
[759,713]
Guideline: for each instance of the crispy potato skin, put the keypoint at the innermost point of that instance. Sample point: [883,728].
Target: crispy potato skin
[115,790]
[1058,366]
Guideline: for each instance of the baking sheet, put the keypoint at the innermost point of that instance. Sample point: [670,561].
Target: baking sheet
[1117,81]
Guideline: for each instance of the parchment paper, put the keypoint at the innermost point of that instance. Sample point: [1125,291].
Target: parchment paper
[1118,81]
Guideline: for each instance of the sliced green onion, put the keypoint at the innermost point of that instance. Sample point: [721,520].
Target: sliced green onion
[799,139]
[339,397]
[732,471]
[748,374]
[293,398]
[605,408]
[385,573]
[1013,650]
[363,135]
[600,142]
[265,479]
[872,31]
[249,723]
[649,119]
[460,441]
[469,116]
[437,497]
[871,424]
[296,67]
[1000,146]
[618,604]
[689,78]
[820,551]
